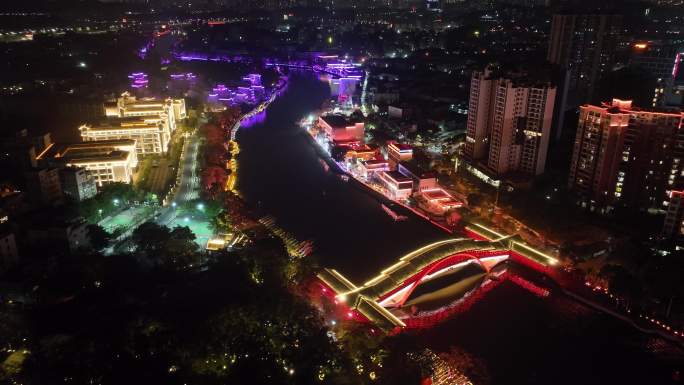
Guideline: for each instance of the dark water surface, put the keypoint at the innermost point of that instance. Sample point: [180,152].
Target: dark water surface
[285,175]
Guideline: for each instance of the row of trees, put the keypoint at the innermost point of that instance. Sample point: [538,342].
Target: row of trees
[216,152]
[660,278]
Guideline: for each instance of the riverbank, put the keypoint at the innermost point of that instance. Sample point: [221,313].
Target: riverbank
[381,198]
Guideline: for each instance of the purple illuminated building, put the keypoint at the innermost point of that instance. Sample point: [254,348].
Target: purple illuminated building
[186,76]
[252,92]
[195,56]
[138,80]
[253,79]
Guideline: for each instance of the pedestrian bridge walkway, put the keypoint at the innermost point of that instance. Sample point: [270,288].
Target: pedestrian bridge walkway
[380,297]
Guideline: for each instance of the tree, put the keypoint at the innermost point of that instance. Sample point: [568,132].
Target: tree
[664,278]
[622,283]
[475,199]
[111,197]
[182,233]
[222,222]
[171,248]
[150,238]
[180,250]
[98,237]
[357,116]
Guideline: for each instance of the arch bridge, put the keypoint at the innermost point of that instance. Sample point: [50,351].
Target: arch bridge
[393,286]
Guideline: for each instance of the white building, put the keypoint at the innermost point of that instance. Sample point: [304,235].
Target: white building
[106,161]
[61,236]
[149,121]
[509,121]
[77,183]
[128,105]
[398,185]
[422,179]
[151,134]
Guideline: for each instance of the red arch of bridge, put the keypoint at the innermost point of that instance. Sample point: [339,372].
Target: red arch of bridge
[442,263]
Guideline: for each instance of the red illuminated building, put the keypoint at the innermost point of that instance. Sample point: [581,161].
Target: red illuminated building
[398,152]
[624,155]
[340,129]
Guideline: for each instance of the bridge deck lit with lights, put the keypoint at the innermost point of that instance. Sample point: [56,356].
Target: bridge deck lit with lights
[381,299]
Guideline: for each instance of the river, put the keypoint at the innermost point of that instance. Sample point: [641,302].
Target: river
[522,339]
[282,173]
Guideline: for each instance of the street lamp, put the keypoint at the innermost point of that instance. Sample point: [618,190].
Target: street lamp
[116,202]
[173,204]
[200,206]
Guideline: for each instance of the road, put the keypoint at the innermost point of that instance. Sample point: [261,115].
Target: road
[187,190]
[158,176]
[188,187]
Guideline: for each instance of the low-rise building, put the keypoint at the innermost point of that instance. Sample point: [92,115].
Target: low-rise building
[369,168]
[149,121]
[340,129]
[398,152]
[77,183]
[128,105]
[9,255]
[422,179]
[151,134]
[437,201]
[353,152]
[59,236]
[18,151]
[361,152]
[43,186]
[106,161]
[398,185]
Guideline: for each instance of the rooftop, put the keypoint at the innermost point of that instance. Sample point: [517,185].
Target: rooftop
[146,108]
[529,76]
[398,177]
[337,121]
[618,106]
[117,123]
[401,146]
[416,169]
[87,150]
[437,194]
[373,162]
[93,157]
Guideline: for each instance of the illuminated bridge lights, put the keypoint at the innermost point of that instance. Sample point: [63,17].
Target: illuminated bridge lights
[481,232]
[393,286]
[398,297]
